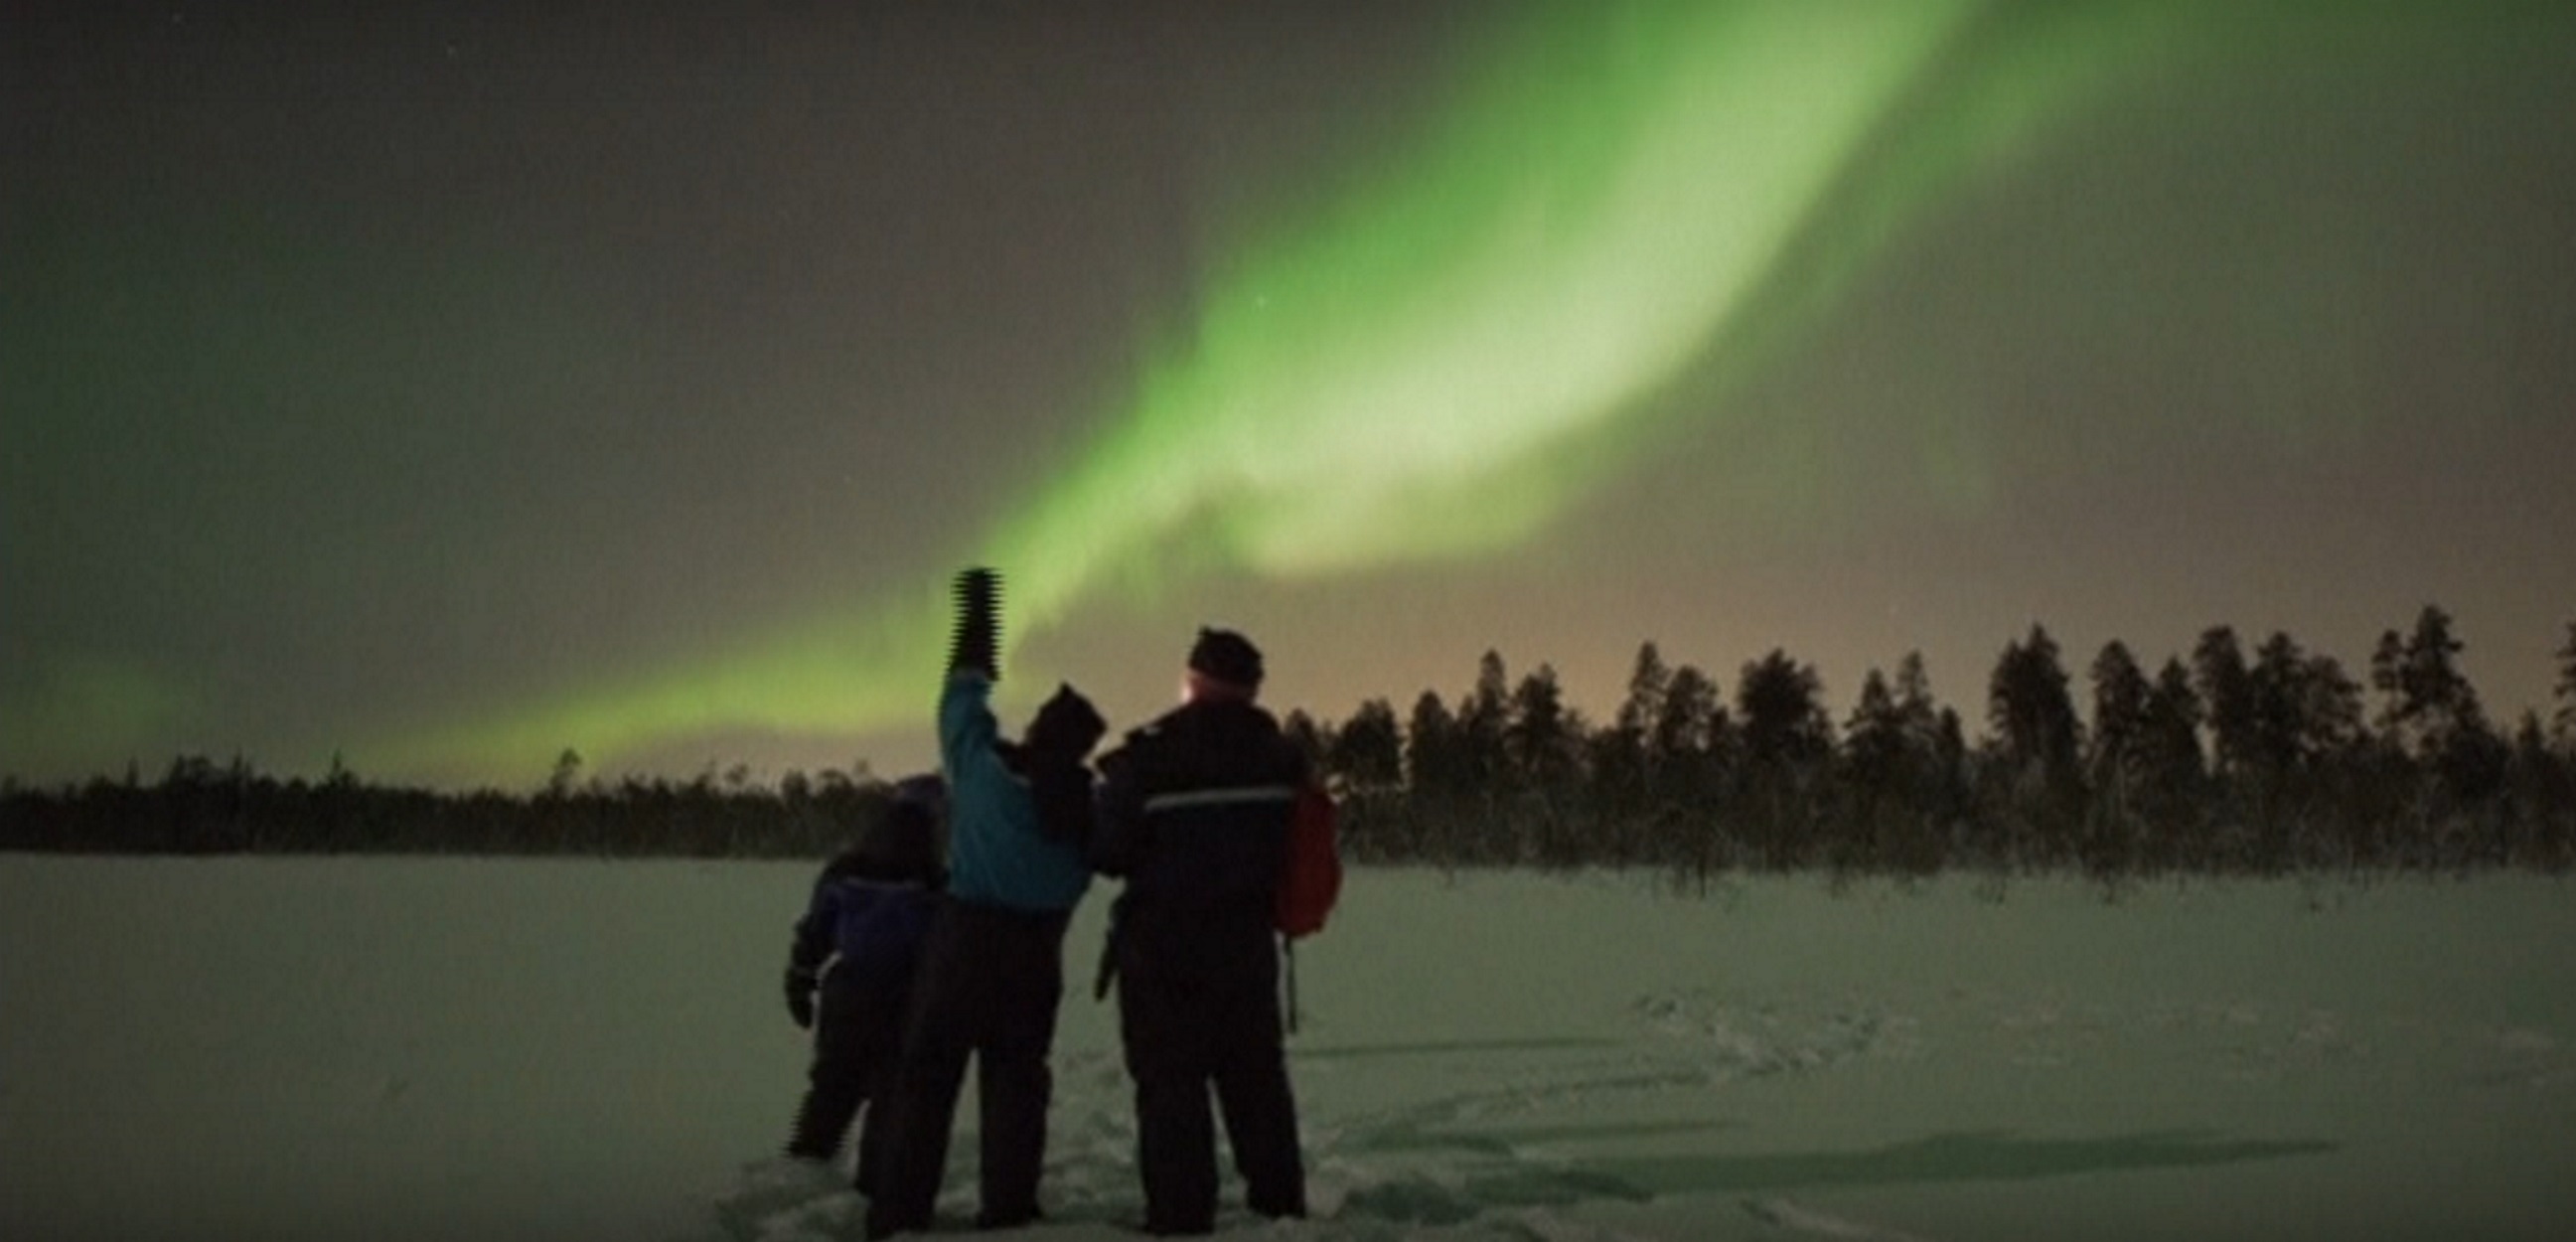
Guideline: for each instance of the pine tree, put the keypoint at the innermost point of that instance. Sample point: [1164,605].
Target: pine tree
[1363,766]
[2305,726]
[2436,718]
[1539,735]
[1876,741]
[2387,680]
[1541,741]
[1781,700]
[1367,753]
[559,783]
[1914,701]
[1688,724]
[1431,761]
[2038,783]
[2172,769]
[1482,718]
[2226,689]
[1953,790]
[1648,681]
[2280,729]
[1687,749]
[2120,704]
[1623,779]
[2429,704]
[1436,780]
[1787,741]
[2031,712]
[1887,763]
[2117,759]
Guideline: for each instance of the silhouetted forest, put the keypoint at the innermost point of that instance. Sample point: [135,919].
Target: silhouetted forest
[2219,760]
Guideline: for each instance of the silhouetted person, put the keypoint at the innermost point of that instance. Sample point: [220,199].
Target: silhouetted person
[993,972]
[1194,813]
[856,950]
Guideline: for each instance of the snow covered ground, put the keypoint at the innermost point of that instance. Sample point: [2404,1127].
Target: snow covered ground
[432,1049]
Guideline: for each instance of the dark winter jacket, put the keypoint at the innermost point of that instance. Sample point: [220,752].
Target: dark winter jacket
[1193,812]
[998,853]
[867,923]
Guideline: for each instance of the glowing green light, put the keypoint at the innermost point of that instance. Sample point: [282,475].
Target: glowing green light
[1413,374]
[1440,360]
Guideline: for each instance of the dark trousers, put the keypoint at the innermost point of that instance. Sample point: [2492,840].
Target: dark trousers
[1198,1011]
[989,984]
[857,1036]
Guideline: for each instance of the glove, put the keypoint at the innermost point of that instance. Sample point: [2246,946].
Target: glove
[977,641]
[800,998]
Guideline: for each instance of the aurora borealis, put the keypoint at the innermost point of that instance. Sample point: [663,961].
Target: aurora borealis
[447,389]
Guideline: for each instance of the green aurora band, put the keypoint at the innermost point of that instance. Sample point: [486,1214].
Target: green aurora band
[1618,202]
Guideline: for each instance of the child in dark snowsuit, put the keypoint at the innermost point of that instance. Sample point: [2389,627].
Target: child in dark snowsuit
[858,948]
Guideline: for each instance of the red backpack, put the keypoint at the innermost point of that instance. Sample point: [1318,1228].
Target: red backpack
[1312,878]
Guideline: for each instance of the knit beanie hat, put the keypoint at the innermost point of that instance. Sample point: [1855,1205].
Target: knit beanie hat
[1226,656]
[906,841]
[1066,724]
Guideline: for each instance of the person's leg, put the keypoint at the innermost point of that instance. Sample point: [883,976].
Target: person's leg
[1014,1084]
[1013,1093]
[1175,1129]
[1260,1110]
[931,1070]
[1176,1152]
[884,1045]
[837,1081]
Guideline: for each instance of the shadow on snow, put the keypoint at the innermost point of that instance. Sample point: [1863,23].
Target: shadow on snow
[1506,1177]
[1965,1157]
[1442,1047]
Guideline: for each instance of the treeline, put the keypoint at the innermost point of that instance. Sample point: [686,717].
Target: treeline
[2221,760]
[2216,760]
[198,807]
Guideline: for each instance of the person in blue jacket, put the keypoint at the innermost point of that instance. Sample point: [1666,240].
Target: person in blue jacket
[855,952]
[992,974]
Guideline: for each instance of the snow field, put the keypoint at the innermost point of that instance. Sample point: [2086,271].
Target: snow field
[451,1048]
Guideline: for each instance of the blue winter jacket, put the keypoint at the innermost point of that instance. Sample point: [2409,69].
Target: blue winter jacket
[996,854]
[870,929]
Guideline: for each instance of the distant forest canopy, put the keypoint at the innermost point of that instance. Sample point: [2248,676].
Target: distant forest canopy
[2225,761]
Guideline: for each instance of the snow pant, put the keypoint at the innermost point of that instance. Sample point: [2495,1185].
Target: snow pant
[988,988]
[1198,1008]
[858,1036]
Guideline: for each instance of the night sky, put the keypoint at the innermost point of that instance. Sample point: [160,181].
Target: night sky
[441,387]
